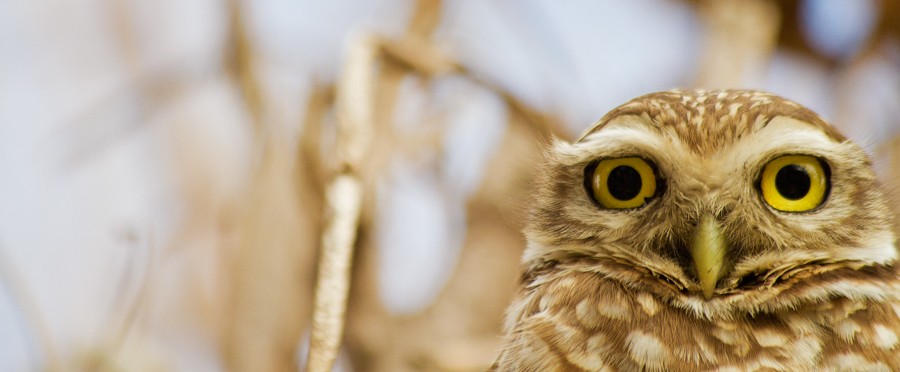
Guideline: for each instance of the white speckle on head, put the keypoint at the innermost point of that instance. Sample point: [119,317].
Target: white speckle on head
[647,350]
[670,112]
[884,337]
[696,120]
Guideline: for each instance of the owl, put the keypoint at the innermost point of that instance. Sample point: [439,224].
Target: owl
[700,230]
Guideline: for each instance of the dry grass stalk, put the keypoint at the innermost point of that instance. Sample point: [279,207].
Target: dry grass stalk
[356,122]
[541,122]
[271,266]
[344,202]
[419,56]
[313,170]
[241,62]
[133,310]
[267,267]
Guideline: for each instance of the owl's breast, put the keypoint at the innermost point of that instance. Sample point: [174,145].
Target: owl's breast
[585,321]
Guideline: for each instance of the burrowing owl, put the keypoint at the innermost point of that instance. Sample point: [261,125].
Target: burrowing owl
[705,230]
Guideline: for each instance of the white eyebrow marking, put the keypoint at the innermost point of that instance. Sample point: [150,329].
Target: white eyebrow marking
[616,137]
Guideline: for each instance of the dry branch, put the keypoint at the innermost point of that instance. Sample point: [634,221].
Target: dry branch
[421,57]
[241,62]
[266,309]
[344,202]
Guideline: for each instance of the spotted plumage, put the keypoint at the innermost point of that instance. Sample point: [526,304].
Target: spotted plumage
[708,272]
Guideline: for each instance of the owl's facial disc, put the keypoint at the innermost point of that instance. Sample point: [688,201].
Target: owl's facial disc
[710,198]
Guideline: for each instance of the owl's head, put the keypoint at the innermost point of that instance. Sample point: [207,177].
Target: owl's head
[719,201]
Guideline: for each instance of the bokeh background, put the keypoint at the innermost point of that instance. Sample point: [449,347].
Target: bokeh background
[163,164]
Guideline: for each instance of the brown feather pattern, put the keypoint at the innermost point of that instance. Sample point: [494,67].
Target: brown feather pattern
[615,290]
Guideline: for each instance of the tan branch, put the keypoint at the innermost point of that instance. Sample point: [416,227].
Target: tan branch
[240,62]
[344,202]
[422,57]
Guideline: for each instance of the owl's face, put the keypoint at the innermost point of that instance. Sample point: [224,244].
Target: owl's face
[719,201]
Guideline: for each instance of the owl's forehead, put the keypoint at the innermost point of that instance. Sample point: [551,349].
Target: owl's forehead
[708,120]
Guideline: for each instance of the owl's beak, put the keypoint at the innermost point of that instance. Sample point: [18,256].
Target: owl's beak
[708,251]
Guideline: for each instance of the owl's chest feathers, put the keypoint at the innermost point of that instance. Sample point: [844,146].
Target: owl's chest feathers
[589,321]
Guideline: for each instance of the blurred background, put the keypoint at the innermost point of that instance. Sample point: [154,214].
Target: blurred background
[163,164]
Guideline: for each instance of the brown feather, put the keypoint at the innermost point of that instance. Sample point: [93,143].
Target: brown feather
[614,289]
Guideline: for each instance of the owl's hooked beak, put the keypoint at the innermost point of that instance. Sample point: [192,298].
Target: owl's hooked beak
[708,252]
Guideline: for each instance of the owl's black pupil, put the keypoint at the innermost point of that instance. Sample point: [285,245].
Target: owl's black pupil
[624,182]
[792,182]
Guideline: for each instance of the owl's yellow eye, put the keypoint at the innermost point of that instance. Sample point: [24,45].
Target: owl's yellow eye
[623,182]
[794,183]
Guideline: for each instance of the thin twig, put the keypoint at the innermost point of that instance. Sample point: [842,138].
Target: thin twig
[344,202]
[310,151]
[540,121]
[424,58]
[240,62]
[133,309]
